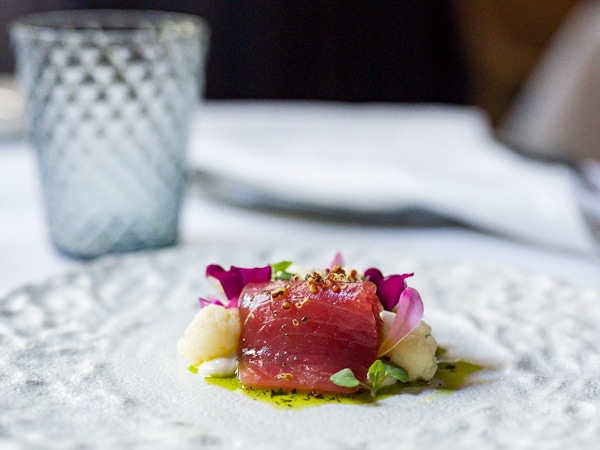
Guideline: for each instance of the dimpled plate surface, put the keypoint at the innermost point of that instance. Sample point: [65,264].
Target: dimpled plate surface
[88,359]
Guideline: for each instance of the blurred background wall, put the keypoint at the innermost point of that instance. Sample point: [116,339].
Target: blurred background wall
[502,40]
[453,51]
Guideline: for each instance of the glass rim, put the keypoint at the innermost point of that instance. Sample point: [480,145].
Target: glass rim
[115,24]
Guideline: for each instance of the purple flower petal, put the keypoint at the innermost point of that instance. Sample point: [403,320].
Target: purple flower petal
[373,275]
[233,281]
[213,301]
[389,288]
[254,275]
[410,313]
[337,259]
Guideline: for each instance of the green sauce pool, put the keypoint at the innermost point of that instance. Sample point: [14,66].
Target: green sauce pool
[450,377]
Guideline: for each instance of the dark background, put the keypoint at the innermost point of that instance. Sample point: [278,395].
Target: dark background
[450,51]
[335,50]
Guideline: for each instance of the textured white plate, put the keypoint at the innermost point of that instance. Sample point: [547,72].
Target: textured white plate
[88,360]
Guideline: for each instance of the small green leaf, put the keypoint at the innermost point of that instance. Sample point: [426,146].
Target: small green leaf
[345,378]
[280,272]
[376,373]
[392,370]
[193,369]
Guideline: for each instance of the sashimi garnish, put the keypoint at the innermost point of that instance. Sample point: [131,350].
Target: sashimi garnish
[389,288]
[229,283]
[379,372]
[316,351]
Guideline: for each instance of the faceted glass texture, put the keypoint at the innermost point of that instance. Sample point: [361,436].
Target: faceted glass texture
[110,95]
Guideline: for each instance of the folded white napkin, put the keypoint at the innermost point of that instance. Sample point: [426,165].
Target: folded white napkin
[390,158]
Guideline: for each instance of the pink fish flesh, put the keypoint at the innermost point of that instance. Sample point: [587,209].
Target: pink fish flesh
[294,338]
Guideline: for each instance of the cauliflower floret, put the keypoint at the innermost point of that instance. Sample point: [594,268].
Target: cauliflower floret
[214,333]
[416,352]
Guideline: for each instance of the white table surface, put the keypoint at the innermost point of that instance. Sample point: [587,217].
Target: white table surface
[27,255]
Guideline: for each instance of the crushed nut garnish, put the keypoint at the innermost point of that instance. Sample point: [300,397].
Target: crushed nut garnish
[279,292]
[301,303]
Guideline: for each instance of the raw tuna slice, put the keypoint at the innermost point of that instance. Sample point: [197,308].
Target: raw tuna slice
[295,334]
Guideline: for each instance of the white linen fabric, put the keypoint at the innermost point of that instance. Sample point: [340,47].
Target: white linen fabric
[374,158]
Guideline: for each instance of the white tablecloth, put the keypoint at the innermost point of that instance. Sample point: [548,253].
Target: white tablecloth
[120,381]
[27,255]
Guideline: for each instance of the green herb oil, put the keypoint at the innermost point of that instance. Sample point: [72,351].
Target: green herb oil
[450,376]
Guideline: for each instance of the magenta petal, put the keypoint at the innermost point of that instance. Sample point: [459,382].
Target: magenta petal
[254,275]
[337,259]
[233,303]
[373,275]
[231,281]
[410,313]
[389,288]
[212,301]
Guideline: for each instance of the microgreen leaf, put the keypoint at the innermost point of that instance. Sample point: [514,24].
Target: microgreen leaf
[193,369]
[345,378]
[376,376]
[392,370]
[280,270]
[376,373]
